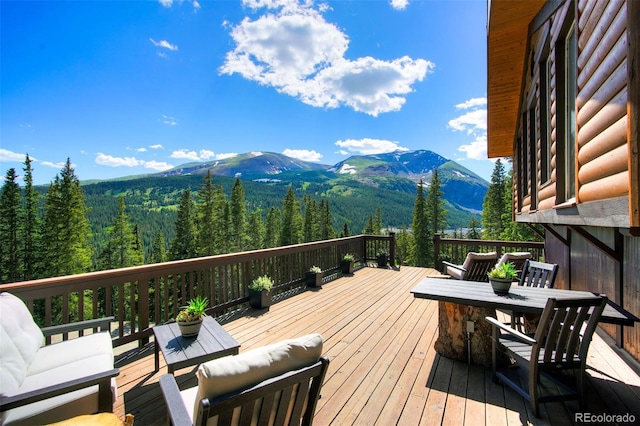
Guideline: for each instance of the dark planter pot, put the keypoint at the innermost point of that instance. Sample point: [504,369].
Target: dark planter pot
[500,286]
[382,261]
[191,328]
[313,279]
[259,299]
[347,267]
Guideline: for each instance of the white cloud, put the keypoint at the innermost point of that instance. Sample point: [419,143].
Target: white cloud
[170,121]
[477,149]
[9,156]
[164,44]
[202,155]
[473,102]
[300,54]
[156,146]
[196,6]
[58,165]
[143,149]
[473,122]
[399,4]
[470,122]
[303,154]
[111,161]
[369,146]
[166,3]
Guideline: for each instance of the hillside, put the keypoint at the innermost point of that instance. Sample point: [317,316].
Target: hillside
[387,181]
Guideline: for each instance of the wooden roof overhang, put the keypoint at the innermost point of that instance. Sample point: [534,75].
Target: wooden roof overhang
[507,35]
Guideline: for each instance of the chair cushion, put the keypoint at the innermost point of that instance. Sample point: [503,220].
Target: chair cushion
[20,339]
[235,372]
[518,255]
[69,351]
[478,256]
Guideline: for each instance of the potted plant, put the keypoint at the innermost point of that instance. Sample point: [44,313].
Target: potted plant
[383,258]
[313,277]
[501,277]
[190,317]
[347,263]
[260,292]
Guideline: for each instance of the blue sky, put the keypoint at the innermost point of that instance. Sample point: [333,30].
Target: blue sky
[132,87]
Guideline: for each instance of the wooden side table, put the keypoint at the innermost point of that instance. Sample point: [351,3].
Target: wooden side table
[179,352]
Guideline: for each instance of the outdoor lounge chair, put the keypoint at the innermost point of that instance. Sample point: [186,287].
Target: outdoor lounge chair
[518,259]
[474,268]
[560,344]
[49,383]
[277,384]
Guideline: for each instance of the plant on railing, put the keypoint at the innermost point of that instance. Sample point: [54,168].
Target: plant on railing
[260,292]
[313,277]
[190,317]
[382,258]
[347,263]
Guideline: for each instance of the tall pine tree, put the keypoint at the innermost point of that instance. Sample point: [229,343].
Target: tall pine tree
[31,250]
[10,213]
[420,229]
[66,233]
[184,243]
[493,205]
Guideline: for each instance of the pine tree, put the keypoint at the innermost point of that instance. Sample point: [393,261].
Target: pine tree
[436,213]
[256,225]
[238,217]
[377,222]
[473,231]
[158,250]
[368,228]
[345,231]
[184,243]
[273,227]
[10,213]
[30,231]
[326,221]
[207,217]
[291,230]
[66,233]
[123,247]
[221,222]
[311,225]
[493,205]
[420,229]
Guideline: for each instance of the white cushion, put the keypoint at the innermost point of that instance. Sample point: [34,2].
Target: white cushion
[20,340]
[69,351]
[518,255]
[478,256]
[231,373]
[64,406]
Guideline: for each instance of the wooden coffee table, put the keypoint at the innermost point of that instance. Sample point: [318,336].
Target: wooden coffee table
[179,352]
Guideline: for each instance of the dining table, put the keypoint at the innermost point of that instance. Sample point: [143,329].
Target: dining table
[464,334]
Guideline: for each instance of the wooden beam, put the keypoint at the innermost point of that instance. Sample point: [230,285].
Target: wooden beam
[633,109]
[614,253]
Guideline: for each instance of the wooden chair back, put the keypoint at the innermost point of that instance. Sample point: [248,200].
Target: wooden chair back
[565,331]
[288,399]
[478,269]
[538,274]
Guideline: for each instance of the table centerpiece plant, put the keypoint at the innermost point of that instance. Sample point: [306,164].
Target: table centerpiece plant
[190,317]
[502,276]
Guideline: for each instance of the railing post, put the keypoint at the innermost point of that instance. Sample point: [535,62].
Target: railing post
[392,248]
[436,251]
[143,308]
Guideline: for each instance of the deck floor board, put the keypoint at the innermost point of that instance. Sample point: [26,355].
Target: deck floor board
[384,369]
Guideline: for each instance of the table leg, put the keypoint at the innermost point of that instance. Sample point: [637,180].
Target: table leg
[156,348]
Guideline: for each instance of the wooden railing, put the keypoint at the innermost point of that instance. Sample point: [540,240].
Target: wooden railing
[455,250]
[142,296]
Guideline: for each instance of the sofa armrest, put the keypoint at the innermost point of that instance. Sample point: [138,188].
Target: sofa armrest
[177,413]
[459,267]
[103,324]
[102,379]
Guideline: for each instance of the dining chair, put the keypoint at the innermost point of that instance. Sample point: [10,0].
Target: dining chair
[534,274]
[559,345]
[474,268]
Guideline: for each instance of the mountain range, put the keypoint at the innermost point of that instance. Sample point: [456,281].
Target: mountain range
[354,188]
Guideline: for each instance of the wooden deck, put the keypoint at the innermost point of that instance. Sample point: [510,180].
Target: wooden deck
[383,368]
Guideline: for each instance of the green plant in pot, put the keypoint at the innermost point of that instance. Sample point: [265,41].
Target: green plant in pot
[383,258]
[190,317]
[260,292]
[347,263]
[501,277]
[313,277]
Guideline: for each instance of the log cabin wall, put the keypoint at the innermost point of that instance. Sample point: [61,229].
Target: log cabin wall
[605,157]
